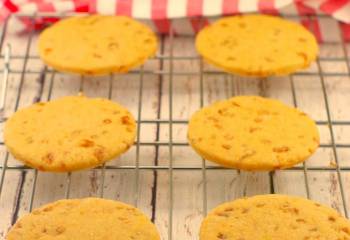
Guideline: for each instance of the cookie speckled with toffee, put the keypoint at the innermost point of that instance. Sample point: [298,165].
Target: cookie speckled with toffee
[97,45]
[271,217]
[70,133]
[253,133]
[88,219]
[257,45]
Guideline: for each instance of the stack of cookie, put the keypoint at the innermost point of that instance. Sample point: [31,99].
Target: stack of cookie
[245,132]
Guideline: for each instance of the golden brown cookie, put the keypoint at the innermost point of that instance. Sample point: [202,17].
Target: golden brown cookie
[96,44]
[69,133]
[257,45]
[88,219]
[253,133]
[270,217]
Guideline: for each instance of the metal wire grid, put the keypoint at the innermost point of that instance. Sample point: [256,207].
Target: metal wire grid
[170,73]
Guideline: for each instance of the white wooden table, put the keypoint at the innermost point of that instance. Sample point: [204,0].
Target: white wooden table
[161,174]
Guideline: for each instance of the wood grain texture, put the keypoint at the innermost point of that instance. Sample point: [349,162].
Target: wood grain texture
[153,191]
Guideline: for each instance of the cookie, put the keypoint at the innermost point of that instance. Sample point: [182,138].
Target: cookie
[257,45]
[96,45]
[69,133]
[88,219]
[253,133]
[269,217]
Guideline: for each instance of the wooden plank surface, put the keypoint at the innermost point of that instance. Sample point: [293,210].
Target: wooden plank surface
[152,192]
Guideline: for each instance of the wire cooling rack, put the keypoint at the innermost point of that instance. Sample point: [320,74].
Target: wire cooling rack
[161,174]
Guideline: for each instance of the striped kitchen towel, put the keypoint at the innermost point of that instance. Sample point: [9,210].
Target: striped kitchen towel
[183,15]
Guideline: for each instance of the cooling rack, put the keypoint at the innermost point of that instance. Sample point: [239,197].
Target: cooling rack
[161,174]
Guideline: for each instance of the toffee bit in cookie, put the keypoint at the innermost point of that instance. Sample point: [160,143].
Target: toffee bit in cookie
[280,149]
[228,137]
[346,230]
[113,45]
[258,120]
[126,120]
[266,141]
[99,153]
[267,59]
[148,41]
[60,230]
[221,214]
[221,236]
[107,121]
[244,210]
[40,104]
[259,205]
[48,50]
[87,143]
[29,140]
[235,104]
[242,25]
[301,39]
[303,56]
[48,158]
[253,129]
[214,119]
[226,146]
[247,154]
[276,31]
[96,55]
[231,59]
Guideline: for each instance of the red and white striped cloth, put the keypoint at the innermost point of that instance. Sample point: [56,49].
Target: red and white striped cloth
[158,13]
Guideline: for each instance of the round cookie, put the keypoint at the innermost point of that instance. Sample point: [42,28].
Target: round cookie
[69,133]
[96,45]
[88,219]
[257,45]
[269,217]
[253,133]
